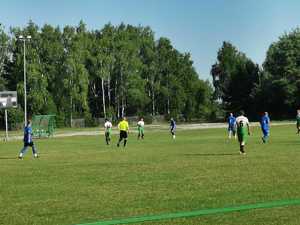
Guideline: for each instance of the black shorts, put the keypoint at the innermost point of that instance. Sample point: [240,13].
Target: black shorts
[30,144]
[123,134]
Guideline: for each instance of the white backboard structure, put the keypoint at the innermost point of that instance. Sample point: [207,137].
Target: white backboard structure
[8,99]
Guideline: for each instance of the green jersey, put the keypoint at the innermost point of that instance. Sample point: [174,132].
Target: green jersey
[108,126]
[242,124]
[140,126]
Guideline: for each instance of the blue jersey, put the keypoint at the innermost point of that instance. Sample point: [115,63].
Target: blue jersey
[231,120]
[265,122]
[28,135]
[173,124]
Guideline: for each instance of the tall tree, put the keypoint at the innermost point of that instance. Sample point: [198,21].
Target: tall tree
[234,77]
[282,67]
[4,54]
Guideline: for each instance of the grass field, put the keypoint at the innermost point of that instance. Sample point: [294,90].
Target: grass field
[80,180]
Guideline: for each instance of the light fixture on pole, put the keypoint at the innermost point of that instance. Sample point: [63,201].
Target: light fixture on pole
[24,39]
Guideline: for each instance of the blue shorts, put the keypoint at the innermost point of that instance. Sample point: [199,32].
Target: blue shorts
[265,131]
[231,128]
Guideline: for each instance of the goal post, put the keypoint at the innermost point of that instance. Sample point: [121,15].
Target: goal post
[43,125]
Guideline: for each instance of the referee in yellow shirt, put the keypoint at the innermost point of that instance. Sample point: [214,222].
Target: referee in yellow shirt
[124,129]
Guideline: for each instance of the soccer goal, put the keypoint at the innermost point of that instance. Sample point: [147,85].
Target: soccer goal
[43,125]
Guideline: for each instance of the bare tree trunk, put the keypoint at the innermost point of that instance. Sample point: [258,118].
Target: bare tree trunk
[118,108]
[103,97]
[168,105]
[117,104]
[71,112]
[122,94]
[123,107]
[153,104]
[168,100]
[109,94]
[153,98]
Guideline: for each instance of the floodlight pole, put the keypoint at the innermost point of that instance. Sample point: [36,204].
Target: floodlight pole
[24,39]
[25,91]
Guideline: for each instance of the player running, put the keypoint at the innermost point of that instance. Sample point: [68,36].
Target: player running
[140,126]
[173,127]
[243,129]
[28,141]
[124,130]
[231,126]
[265,127]
[107,127]
[298,121]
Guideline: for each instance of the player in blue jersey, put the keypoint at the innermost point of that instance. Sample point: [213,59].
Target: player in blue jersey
[265,126]
[231,126]
[28,142]
[173,127]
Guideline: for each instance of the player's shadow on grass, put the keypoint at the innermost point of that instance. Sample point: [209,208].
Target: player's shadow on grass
[7,158]
[211,154]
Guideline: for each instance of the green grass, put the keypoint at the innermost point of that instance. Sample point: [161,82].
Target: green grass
[80,180]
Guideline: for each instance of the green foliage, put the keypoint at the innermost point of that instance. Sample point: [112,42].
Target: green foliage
[4,49]
[122,70]
[15,118]
[234,77]
[61,120]
[118,70]
[283,68]
[89,120]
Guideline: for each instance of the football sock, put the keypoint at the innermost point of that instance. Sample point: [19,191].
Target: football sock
[242,149]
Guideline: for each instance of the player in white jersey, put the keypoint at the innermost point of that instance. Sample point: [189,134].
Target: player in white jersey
[107,127]
[243,130]
[141,125]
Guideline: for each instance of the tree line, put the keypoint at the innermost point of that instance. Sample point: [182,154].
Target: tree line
[241,84]
[73,72]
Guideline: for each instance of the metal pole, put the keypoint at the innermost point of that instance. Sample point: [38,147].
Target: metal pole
[25,91]
[6,126]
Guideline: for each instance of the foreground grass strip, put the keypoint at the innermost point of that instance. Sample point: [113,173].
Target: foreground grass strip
[198,212]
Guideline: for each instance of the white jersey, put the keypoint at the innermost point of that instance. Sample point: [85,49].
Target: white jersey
[141,123]
[108,125]
[242,121]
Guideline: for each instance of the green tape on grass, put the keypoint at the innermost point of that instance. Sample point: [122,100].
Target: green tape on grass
[198,213]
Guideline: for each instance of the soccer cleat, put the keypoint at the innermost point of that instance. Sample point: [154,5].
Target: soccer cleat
[36,156]
[20,157]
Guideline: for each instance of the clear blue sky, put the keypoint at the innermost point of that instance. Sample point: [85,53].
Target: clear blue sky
[194,26]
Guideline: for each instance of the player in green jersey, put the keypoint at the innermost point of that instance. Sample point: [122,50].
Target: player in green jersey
[140,126]
[243,130]
[107,127]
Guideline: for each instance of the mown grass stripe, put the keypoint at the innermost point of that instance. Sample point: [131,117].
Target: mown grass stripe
[197,213]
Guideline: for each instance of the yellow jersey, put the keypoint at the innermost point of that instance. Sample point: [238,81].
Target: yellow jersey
[123,125]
